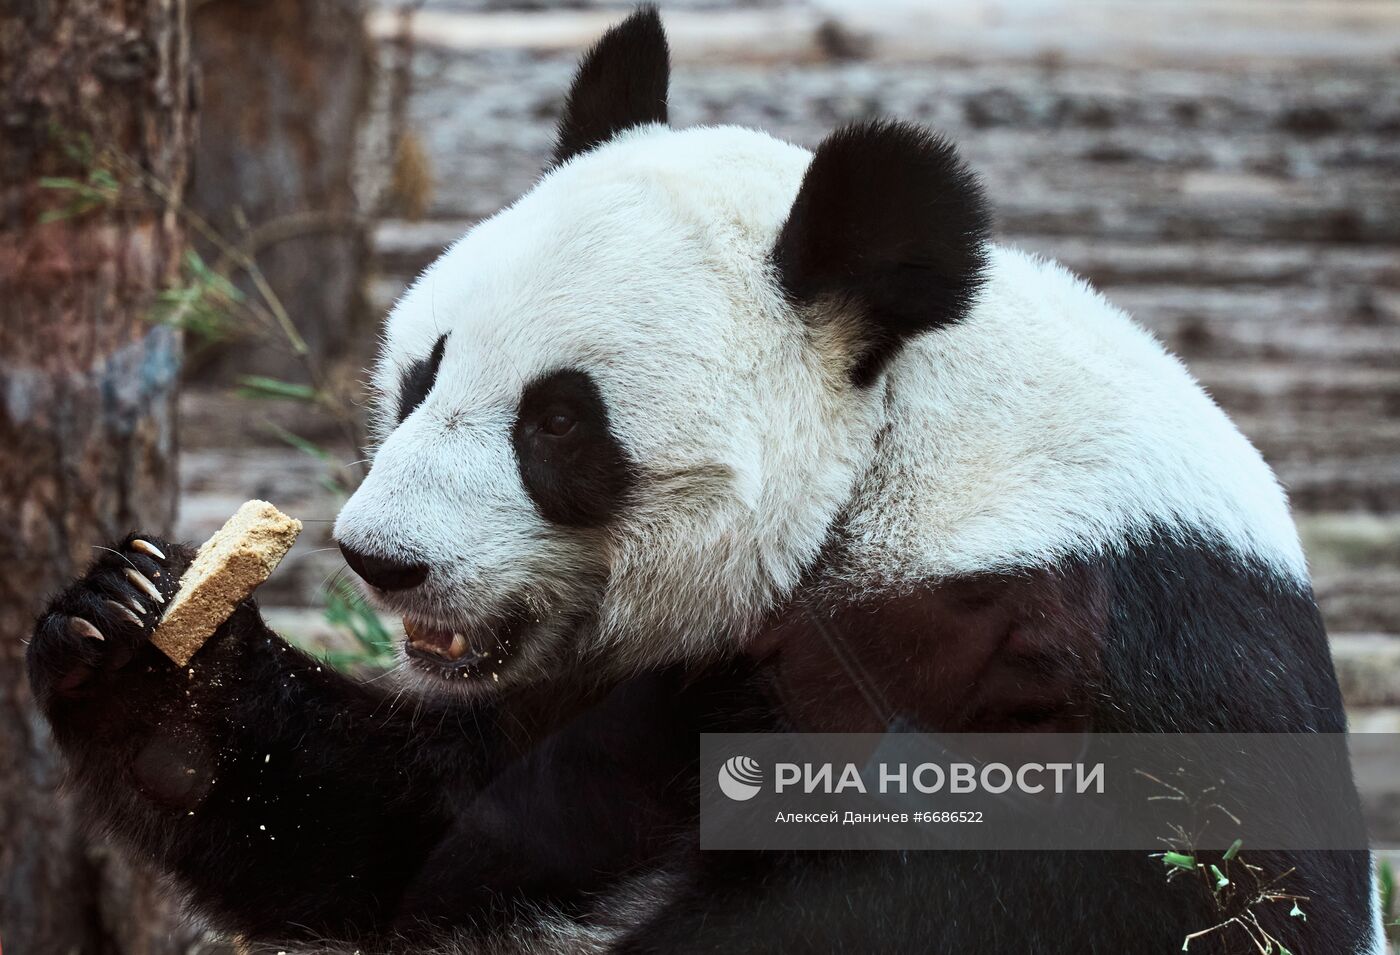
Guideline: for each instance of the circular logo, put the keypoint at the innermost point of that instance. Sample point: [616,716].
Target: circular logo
[740,778]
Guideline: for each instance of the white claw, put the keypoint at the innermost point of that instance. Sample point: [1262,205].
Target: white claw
[146,547]
[81,628]
[122,610]
[144,585]
[135,606]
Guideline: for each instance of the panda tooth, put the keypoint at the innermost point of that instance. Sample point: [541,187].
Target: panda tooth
[144,585]
[458,647]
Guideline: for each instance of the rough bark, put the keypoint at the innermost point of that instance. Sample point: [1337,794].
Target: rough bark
[94,94]
[283,96]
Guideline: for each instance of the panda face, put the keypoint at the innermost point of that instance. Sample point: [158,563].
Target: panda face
[617,420]
[599,418]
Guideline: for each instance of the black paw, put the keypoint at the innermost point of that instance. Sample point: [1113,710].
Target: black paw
[101,622]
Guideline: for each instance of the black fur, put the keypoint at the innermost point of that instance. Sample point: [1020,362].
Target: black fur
[418,379]
[620,83]
[1186,637]
[294,804]
[891,223]
[581,478]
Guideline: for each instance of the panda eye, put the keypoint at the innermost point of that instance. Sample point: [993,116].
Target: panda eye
[557,425]
[572,466]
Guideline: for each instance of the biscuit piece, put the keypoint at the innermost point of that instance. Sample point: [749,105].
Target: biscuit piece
[228,567]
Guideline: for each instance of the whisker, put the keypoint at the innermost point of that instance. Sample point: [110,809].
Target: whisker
[437,730]
[391,700]
[399,700]
[329,580]
[117,552]
[318,550]
[386,699]
[375,679]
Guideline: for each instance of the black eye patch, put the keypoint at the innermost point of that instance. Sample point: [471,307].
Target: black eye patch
[417,379]
[572,465]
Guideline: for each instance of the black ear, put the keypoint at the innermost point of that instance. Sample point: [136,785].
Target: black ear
[889,226]
[620,83]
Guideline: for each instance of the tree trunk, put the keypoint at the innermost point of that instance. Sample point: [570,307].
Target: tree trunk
[94,108]
[283,97]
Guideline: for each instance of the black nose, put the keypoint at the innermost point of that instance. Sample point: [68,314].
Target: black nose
[384,573]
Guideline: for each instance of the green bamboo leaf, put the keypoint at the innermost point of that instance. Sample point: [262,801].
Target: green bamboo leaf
[304,445]
[347,610]
[260,386]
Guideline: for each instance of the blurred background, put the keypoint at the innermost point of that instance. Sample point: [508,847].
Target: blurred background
[206,206]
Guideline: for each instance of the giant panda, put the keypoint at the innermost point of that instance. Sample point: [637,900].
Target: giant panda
[711,432]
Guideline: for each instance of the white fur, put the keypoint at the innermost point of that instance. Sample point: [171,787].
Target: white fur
[1378,944]
[1045,425]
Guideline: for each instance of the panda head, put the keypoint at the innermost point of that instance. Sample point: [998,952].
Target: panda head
[617,420]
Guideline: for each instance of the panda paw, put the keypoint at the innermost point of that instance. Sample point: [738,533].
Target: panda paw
[100,623]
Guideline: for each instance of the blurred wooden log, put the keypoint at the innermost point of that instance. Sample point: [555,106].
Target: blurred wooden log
[94,97]
[284,88]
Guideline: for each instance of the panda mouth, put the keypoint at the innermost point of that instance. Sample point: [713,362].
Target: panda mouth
[480,652]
